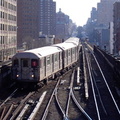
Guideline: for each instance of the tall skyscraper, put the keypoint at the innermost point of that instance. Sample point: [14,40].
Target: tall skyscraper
[35,17]
[48,17]
[28,23]
[93,14]
[8,28]
[105,12]
[62,24]
[116,21]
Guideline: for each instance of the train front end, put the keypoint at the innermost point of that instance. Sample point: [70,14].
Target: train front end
[25,68]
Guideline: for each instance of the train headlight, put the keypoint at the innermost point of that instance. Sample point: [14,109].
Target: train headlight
[17,75]
[32,76]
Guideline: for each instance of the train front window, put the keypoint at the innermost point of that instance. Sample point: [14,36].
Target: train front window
[16,62]
[25,62]
[34,63]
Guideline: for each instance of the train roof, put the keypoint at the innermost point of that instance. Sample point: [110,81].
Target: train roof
[65,45]
[74,40]
[38,52]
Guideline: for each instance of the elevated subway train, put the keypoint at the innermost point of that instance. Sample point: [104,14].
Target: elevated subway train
[40,64]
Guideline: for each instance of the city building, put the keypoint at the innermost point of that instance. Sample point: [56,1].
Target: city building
[116,21]
[105,12]
[28,23]
[8,29]
[47,17]
[35,17]
[111,42]
[99,27]
[94,14]
[47,40]
[72,29]
[62,25]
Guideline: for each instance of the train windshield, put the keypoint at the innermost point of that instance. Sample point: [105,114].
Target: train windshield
[34,63]
[25,62]
[16,62]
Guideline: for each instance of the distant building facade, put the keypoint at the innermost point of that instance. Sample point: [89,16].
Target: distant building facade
[105,29]
[47,17]
[62,24]
[111,42]
[35,17]
[8,28]
[116,21]
[94,14]
[105,12]
[28,23]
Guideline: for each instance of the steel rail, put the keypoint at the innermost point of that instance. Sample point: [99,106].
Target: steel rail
[107,86]
[118,110]
[74,99]
[17,110]
[99,95]
[9,97]
[3,112]
[8,112]
[44,116]
[93,90]
[85,75]
[79,106]
[68,101]
[96,86]
[34,112]
[62,111]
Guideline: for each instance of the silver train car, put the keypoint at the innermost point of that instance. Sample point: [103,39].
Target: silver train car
[40,64]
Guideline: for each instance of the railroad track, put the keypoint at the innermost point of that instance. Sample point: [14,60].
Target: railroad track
[65,101]
[67,98]
[106,104]
[11,106]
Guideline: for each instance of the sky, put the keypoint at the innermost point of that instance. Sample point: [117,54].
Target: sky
[78,10]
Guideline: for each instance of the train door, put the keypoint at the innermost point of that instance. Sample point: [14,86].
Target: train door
[53,63]
[48,65]
[34,69]
[66,58]
[59,60]
[42,68]
[73,55]
[76,54]
[69,56]
[24,68]
[15,68]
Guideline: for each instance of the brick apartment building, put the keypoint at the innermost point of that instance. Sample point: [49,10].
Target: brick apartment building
[28,22]
[35,17]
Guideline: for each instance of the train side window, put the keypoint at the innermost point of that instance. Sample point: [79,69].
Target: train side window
[25,63]
[73,51]
[55,57]
[48,60]
[41,63]
[60,55]
[68,52]
[64,54]
[16,62]
[34,63]
[52,58]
